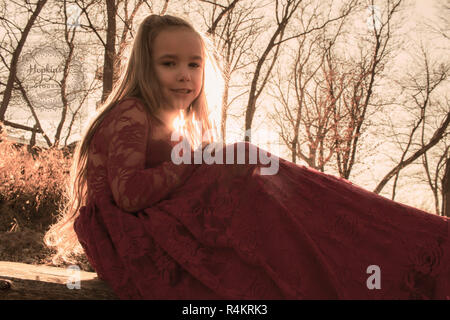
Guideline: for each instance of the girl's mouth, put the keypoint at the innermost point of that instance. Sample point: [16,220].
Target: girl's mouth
[184,91]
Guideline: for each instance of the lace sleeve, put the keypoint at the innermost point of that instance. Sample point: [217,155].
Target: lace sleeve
[133,186]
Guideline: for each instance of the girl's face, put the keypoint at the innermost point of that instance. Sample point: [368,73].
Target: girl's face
[178,61]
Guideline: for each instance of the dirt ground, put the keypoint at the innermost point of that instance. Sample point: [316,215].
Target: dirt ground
[26,246]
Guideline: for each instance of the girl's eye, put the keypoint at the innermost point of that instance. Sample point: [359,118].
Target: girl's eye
[171,63]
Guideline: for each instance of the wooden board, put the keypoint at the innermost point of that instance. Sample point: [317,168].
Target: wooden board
[20,281]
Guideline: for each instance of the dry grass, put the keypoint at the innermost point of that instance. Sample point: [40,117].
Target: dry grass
[31,185]
[31,193]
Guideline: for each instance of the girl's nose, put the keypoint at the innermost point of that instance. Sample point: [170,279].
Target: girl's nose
[184,75]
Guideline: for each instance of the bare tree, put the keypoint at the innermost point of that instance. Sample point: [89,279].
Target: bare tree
[442,25]
[421,89]
[16,50]
[438,178]
[110,48]
[62,22]
[333,95]
[360,89]
[310,122]
[233,38]
[59,23]
[445,181]
[260,76]
[115,10]
[224,11]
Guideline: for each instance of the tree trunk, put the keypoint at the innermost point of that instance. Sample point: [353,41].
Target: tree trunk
[446,190]
[110,49]
[15,58]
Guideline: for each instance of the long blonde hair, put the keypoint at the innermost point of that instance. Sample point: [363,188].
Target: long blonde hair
[139,80]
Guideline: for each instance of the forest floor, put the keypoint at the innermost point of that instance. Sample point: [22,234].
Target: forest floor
[27,246]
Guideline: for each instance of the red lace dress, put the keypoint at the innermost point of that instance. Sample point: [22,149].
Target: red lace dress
[225,231]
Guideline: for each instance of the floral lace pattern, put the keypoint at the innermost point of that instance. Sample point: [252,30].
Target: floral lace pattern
[155,230]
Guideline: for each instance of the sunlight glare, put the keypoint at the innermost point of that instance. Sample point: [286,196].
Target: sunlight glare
[179,122]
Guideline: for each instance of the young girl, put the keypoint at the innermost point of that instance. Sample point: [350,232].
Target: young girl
[154,229]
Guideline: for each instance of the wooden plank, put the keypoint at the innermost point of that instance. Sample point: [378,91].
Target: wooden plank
[24,281]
